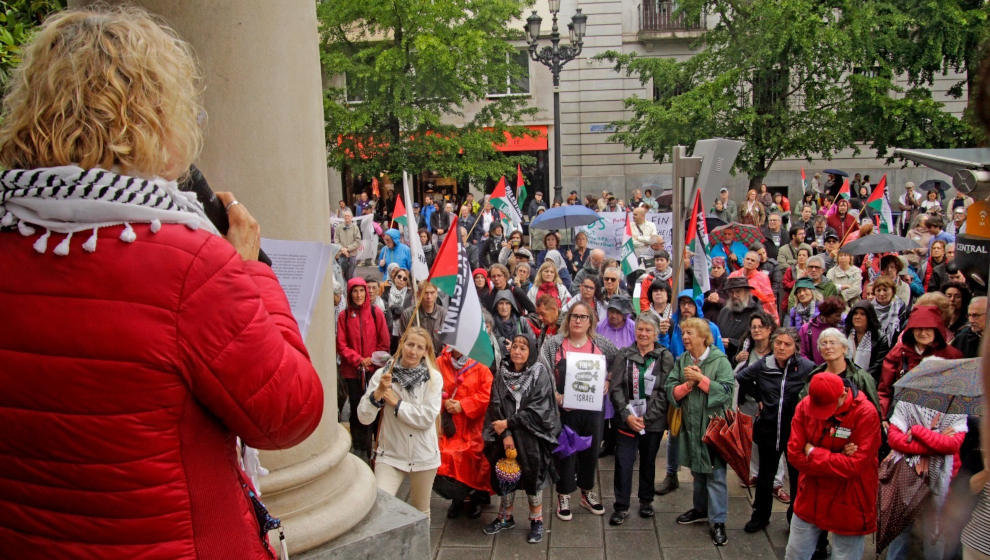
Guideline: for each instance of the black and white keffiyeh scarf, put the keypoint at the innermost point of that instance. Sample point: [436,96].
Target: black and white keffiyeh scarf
[69,199]
[410,377]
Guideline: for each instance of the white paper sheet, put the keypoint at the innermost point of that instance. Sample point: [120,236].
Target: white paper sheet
[584,385]
[300,267]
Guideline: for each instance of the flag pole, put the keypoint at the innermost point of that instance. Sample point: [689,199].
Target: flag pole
[475,224]
[412,277]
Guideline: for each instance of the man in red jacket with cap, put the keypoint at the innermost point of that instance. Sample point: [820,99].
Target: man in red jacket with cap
[834,440]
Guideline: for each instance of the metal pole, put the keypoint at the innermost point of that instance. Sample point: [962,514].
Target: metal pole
[558,189]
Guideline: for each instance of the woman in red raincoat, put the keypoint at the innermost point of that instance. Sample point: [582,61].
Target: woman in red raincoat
[463,475]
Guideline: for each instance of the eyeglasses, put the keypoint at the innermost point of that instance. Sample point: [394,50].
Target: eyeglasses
[815,266]
[581,317]
[611,279]
[401,277]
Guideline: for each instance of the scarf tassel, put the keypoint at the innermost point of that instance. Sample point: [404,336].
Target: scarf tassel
[8,220]
[41,245]
[156,225]
[24,229]
[90,245]
[62,249]
[128,235]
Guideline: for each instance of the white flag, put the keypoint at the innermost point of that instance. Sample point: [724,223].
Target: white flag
[420,270]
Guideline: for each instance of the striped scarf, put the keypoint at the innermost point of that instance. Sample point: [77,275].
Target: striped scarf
[70,199]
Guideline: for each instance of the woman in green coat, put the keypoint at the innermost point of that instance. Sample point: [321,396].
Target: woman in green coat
[701,386]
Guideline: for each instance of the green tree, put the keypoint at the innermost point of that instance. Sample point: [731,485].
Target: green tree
[792,78]
[17,19]
[410,68]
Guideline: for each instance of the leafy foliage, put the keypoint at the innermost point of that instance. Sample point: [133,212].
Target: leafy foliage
[794,78]
[17,19]
[411,66]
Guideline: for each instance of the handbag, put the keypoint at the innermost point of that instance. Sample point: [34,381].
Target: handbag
[675,418]
[447,427]
[902,493]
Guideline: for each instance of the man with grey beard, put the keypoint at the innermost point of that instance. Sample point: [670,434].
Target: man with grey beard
[733,320]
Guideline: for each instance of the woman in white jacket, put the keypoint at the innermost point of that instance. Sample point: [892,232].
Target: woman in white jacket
[407,392]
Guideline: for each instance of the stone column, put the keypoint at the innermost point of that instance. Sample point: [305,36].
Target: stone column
[265,142]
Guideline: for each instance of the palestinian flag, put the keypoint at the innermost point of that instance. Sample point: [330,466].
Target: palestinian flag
[463,326]
[521,193]
[503,199]
[804,181]
[696,241]
[844,191]
[879,202]
[374,187]
[629,260]
[399,213]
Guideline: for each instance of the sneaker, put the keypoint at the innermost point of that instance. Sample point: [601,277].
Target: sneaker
[618,517]
[590,502]
[691,516]
[564,507]
[668,485]
[782,495]
[535,531]
[646,511]
[499,525]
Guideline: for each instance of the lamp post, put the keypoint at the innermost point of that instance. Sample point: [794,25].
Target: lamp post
[554,57]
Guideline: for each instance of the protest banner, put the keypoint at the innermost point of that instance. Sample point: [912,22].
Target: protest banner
[606,233]
[584,381]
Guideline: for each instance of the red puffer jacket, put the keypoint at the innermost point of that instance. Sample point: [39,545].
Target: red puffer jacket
[837,493]
[360,332]
[126,375]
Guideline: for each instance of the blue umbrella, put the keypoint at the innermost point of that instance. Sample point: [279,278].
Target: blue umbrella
[837,172]
[565,217]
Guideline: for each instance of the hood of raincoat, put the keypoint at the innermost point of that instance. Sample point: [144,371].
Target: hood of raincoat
[926,316]
[394,234]
[353,283]
[507,296]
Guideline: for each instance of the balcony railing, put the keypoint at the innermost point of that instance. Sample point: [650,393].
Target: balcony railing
[660,17]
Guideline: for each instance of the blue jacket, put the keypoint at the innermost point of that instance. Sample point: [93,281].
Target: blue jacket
[427,213]
[672,340]
[399,254]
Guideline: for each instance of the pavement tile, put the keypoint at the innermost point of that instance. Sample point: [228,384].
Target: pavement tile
[606,484]
[581,531]
[672,535]
[462,553]
[512,544]
[576,553]
[463,532]
[623,545]
[435,535]
[710,553]
[679,500]
[633,523]
[746,546]
[777,530]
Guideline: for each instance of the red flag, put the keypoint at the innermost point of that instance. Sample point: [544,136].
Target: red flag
[519,176]
[374,187]
[844,191]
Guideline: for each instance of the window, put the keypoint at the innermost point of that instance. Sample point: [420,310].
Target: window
[517,82]
[356,88]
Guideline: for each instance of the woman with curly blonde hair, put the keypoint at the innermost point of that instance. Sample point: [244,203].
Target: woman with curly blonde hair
[142,348]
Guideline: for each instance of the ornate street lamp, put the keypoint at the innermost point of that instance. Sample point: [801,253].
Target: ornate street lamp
[554,57]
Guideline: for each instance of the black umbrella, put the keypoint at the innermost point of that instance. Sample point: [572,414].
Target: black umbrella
[933,184]
[837,172]
[879,243]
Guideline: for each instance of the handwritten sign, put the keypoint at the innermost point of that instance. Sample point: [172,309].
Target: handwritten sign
[606,234]
[584,386]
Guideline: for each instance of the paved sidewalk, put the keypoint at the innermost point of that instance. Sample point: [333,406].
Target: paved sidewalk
[590,537]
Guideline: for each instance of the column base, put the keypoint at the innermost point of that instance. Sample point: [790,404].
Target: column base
[392,529]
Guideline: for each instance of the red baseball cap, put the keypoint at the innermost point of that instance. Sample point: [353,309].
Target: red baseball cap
[824,392]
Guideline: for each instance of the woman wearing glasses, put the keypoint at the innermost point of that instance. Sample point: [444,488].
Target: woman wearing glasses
[589,293]
[397,296]
[577,335]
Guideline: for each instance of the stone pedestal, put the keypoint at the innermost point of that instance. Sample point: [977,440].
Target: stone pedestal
[392,529]
[265,143]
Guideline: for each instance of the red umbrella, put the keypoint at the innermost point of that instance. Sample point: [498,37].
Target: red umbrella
[732,438]
[744,233]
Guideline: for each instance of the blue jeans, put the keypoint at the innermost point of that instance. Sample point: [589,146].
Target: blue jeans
[712,495]
[673,461]
[804,538]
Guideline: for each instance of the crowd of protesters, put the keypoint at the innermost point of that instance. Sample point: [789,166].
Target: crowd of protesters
[794,331]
